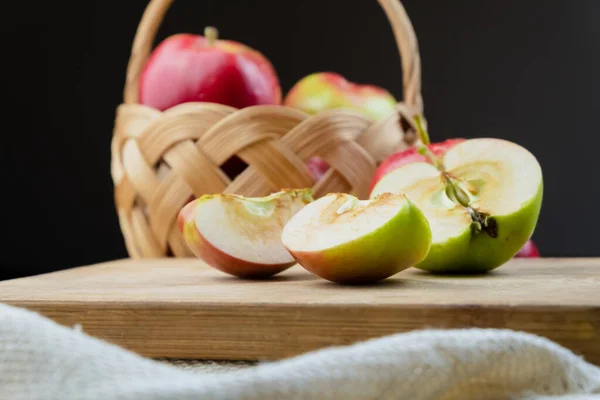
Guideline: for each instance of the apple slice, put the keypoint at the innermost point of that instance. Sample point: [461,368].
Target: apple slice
[242,236]
[482,205]
[346,240]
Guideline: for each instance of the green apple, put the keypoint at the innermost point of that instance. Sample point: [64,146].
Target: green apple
[346,240]
[242,236]
[482,199]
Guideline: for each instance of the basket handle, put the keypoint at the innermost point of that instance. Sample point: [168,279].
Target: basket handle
[404,34]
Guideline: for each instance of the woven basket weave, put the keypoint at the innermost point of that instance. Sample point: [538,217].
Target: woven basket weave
[160,160]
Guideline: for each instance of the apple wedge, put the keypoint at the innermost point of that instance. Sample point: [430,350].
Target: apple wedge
[482,201]
[346,240]
[242,236]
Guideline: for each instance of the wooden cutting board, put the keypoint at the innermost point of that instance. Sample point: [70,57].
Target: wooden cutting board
[180,308]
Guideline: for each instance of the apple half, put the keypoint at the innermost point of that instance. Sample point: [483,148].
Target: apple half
[242,236]
[346,240]
[482,205]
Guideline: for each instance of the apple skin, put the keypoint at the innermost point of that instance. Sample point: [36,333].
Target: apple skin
[317,167]
[478,253]
[411,155]
[471,252]
[187,68]
[219,259]
[530,250]
[325,90]
[368,259]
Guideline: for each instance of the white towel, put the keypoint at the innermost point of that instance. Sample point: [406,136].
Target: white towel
[40,359]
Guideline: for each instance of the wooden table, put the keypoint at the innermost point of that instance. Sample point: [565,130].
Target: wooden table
[180,308]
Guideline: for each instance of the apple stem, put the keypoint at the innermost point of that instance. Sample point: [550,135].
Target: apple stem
[211,34]
[422,147]
[424,151]
[454,191]
[423,135]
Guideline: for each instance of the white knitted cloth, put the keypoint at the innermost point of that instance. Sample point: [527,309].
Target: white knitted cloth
[42,360]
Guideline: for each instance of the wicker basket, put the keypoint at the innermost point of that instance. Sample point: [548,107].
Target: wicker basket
[160,160]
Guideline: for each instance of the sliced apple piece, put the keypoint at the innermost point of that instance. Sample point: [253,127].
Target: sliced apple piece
[346,240]
[242,236]
[482,205]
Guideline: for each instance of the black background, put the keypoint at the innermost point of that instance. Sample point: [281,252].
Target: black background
[521,70]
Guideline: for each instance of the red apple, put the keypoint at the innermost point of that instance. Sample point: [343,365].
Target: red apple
[317,167]
[529,250]
[325,90]
[409,156]
[187,68]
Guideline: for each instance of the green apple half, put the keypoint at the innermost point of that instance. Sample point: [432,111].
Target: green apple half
[242,236]
[346,240]
[486,215]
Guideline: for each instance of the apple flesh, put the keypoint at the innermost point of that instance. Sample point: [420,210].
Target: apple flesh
[492,214]
[325,90]
[242,236]
[192,68]
[411,155]
[350,241]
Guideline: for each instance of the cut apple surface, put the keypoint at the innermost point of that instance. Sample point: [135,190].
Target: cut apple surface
[411,155]
[242,236]
[482,206]
[346,240]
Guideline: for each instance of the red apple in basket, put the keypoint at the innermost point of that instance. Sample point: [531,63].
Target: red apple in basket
[325,90]
[242,236]
[188,68]
[317,167]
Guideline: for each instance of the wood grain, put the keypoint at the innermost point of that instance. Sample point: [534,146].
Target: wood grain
[180,308]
